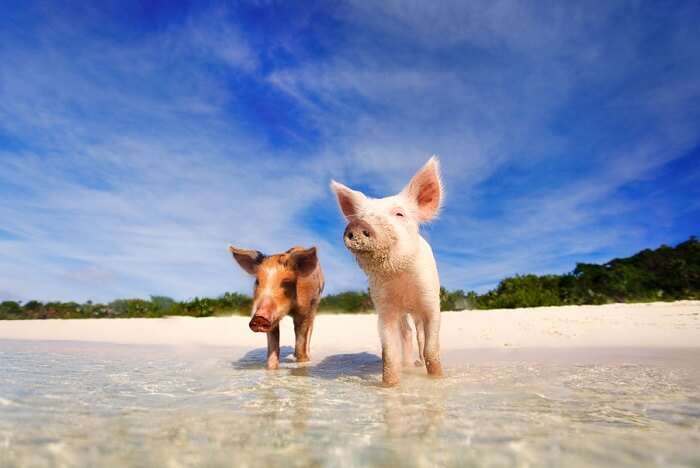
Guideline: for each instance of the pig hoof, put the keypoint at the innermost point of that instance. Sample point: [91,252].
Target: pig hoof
[273,366]
[434,368]
[389,383]
[419,363]
[303,359]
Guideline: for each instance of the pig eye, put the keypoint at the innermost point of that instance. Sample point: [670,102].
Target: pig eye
[398,213]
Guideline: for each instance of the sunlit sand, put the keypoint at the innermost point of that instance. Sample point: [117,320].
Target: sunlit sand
[675,324]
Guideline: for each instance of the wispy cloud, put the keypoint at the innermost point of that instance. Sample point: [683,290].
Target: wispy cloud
[133,151]
[541,115]
[132,179]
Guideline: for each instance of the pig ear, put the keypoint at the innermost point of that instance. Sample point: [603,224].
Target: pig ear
[304,261]
[349,200]
[425,190]
[249,260]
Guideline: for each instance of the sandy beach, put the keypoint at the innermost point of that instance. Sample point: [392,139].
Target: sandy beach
[653,325]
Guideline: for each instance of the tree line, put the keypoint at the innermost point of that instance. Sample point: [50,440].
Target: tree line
[664,274]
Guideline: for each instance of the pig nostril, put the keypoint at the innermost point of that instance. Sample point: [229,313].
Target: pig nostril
[350,235]
[365,232]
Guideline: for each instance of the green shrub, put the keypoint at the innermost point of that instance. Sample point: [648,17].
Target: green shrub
[455,300]
[11,310]
[347,302]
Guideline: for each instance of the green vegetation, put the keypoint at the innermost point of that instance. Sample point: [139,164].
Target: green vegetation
[347,302]
[157,306]
[664,274]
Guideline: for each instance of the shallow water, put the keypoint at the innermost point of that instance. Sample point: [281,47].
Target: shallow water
[77,404]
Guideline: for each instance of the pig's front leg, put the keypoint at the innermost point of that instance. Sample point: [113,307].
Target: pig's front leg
[432,342]
[273,348]
[302,332]
[390,335]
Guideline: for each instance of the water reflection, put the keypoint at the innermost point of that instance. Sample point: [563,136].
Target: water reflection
[415,414]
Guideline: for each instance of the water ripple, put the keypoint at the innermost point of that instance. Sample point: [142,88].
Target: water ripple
[83,405]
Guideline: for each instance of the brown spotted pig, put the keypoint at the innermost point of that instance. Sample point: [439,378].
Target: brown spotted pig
[288,283]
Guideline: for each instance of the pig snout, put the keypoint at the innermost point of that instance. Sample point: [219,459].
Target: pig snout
[260,324]
[262,319]
[359,235]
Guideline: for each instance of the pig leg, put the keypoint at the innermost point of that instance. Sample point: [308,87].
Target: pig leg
[273,348]
[302,331]
[420,339]
[406,342]
[432,343]
[390,334]
[309,330]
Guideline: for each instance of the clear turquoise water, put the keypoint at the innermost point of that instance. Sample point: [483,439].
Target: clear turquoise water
[72,404]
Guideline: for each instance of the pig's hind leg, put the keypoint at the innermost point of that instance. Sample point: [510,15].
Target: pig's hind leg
[406,342]
[302,332]
[420,340]
[309,330]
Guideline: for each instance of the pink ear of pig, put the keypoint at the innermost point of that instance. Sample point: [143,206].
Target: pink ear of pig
[425,190]
[349,200]
[248,259]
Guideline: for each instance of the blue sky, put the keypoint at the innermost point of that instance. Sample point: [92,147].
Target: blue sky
[137,139]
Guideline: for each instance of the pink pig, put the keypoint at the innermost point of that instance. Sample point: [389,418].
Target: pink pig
[383,236]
